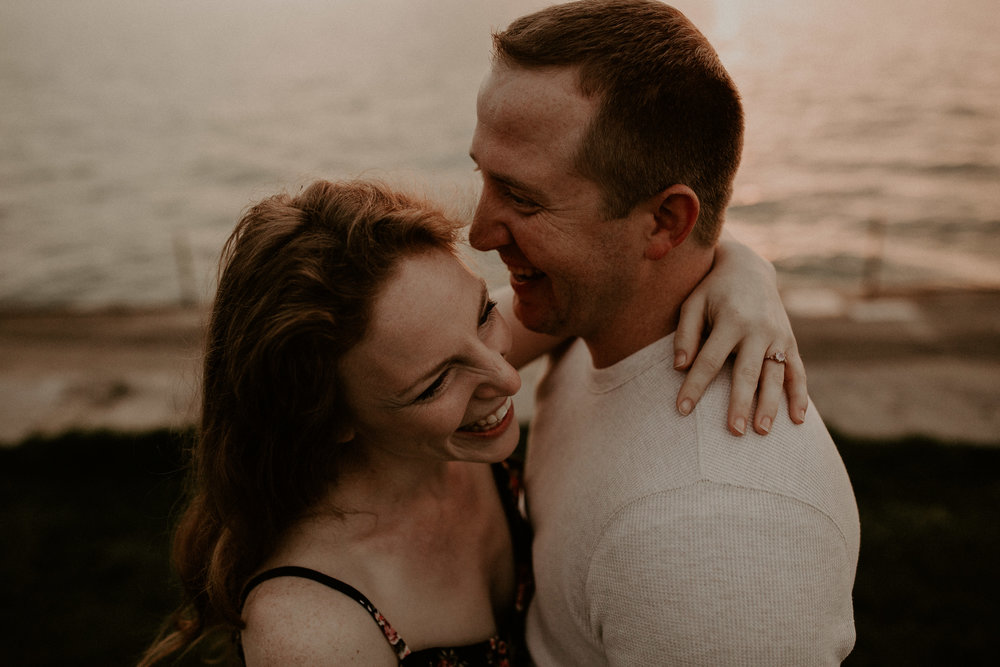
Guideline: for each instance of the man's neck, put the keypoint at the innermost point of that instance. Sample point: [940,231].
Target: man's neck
[653,311]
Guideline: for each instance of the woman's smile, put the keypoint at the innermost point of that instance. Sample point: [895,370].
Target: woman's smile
[493,424]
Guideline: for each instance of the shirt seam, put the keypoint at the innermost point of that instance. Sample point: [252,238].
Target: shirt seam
[703,480]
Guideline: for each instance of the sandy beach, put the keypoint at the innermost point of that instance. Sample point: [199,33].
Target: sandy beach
[916,364]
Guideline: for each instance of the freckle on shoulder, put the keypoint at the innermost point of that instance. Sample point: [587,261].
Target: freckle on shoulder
[293,621]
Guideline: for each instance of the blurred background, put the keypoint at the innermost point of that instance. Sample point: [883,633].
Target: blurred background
[135,132]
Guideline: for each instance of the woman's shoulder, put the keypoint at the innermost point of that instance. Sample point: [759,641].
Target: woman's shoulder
[292,620]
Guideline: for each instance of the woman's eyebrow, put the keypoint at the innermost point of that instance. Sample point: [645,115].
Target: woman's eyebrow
[484,297]
[484,294]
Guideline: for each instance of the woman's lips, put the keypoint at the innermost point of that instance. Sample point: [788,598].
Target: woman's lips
[493,423]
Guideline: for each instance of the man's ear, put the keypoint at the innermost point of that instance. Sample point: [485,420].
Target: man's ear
[675,212]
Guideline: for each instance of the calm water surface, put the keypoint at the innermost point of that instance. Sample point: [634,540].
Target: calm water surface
[134,132]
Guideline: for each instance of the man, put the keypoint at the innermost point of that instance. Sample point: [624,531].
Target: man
[608,137]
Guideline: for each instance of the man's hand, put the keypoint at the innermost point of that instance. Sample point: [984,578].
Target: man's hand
[738,302]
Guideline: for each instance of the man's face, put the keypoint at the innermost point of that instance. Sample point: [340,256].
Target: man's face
[569,267]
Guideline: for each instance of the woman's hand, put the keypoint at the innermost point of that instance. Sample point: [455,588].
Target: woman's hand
[739,302]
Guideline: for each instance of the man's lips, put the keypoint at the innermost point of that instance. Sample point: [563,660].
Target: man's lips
[521,270]
[524,274]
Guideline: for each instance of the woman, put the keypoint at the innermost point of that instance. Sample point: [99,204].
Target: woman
[347,490]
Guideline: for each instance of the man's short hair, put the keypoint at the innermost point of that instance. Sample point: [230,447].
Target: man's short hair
[669,112]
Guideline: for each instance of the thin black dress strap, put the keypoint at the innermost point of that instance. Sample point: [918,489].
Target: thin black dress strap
[397,643]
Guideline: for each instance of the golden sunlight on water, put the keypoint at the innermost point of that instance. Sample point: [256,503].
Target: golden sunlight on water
[136,132]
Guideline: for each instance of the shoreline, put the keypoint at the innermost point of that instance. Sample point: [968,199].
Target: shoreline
[921,363]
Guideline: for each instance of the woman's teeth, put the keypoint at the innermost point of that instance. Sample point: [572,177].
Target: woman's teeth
[490,421]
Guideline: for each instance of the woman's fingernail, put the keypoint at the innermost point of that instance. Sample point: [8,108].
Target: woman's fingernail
[802,415]
[740,425]
[686,406]
[765,424]
[679,359]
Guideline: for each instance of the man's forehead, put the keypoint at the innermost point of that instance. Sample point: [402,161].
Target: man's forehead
[529,121]
[550,93]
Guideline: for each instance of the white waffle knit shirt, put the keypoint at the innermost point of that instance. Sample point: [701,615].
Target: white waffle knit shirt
[665,540]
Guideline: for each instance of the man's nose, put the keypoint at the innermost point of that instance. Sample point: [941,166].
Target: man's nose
[488,232]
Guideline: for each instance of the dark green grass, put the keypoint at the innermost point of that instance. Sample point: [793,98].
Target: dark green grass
[928,584]
[85,522]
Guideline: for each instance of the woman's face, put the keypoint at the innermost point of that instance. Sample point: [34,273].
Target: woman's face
[429,380]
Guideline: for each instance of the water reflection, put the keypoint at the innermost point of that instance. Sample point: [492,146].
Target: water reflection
[130,127]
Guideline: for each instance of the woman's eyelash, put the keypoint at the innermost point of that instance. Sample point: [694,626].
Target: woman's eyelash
[487,312]
[436,386]
[431,391]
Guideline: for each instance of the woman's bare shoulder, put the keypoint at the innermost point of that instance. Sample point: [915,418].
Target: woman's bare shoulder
[293,621]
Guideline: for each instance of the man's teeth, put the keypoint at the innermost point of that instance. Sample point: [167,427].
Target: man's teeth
[490,421]
[526,274]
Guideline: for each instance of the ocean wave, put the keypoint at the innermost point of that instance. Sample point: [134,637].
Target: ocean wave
[945,229]
[978,169]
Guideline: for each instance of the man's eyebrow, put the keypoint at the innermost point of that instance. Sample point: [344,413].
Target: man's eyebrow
[438,368]
[509,181]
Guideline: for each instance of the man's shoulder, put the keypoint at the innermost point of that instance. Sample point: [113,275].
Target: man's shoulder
[798,462]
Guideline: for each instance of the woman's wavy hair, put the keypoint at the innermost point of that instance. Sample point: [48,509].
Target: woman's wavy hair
[297,282]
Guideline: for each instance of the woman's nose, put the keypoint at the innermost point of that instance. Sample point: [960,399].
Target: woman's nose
[503,380]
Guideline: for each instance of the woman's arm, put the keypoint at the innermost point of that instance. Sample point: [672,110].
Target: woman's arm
[739,304]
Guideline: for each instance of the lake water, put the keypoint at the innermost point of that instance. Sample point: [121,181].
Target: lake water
[135,131]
